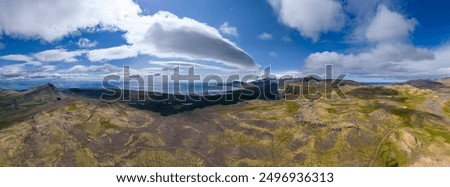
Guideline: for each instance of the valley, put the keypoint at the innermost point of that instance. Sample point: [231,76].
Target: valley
[377,125]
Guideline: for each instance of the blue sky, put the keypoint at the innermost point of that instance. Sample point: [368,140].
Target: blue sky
[373,40]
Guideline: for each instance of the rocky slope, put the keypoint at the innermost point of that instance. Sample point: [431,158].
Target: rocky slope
[16,106]
[375,126]
[445,81]
[425,84]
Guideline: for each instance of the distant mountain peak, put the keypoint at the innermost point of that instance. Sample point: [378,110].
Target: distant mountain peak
[424,84]
[46,92]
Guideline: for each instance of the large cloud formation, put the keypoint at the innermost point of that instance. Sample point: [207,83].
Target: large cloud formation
[112,53]
[53,19]
[162,35]
[57,55]
[310,17]
[389,26]
[167,36]
[21,70]
[383,32]
[391,53]
[379,61]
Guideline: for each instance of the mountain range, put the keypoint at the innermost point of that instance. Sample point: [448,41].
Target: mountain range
[377,125]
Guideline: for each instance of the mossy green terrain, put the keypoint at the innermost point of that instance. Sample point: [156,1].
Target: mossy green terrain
[446,108]
[375,126]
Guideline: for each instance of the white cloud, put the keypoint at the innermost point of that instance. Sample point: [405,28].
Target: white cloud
[225,28]
[113,53]
[86,43]
[173,64]
[392,55]
[45,75]
[47,68]
[17,57]
[265,36]
[34,63]
[288,74]
[362,13]
[389,26]
[62,55]
[57,55]
[22,70]
[53,55]
[165,35]
[51,20]
[105,68]
[12,71]
[310,17]
[384,60]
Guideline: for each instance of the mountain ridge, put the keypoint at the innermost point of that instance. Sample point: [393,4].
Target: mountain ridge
[381,125]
